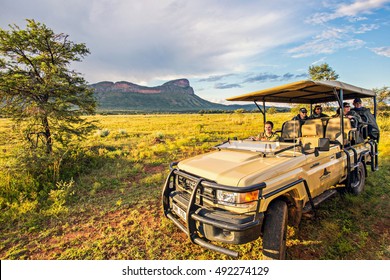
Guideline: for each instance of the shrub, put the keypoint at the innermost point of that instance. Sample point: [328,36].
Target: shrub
[58,198]
[159,135]
[122,133]
[103,132]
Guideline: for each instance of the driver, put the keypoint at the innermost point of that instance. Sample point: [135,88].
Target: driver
[268,134]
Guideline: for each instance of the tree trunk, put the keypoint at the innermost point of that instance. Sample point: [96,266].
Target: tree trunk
[49,143]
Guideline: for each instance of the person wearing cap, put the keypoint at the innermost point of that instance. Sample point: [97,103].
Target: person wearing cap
[317,114]
[302,116]
[352,115]
[358,104]
[367,117]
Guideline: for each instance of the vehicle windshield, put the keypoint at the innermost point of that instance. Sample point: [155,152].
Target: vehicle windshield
[265,147]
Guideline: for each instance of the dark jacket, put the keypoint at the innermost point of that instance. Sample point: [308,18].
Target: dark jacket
[298,118]
[356,119]
[318,116]
[367,117]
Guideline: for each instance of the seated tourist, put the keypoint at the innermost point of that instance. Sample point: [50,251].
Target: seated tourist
[352,115]
[365,114]
[317,114]
[302,116]
[268,134]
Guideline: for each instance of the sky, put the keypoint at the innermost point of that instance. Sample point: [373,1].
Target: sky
[223,47]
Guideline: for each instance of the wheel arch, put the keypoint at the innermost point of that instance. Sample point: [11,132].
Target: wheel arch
[294,205]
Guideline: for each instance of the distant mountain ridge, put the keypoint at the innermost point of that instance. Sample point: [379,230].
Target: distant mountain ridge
[182,85]
[172,96]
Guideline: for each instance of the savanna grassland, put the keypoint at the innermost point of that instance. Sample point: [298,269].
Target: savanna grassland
[107,204]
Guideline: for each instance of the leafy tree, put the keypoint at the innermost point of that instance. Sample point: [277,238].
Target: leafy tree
[37,88]
[239,111]
[272,110]
[295,109]
[322,72]
[382,95]
[382,99]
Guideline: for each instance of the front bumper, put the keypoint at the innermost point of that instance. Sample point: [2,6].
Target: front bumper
[206,224]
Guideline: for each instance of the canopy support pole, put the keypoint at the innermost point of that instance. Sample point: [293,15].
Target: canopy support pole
[262,111]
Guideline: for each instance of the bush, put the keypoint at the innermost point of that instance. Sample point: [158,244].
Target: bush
[122,133]
[58,198]
[103,132]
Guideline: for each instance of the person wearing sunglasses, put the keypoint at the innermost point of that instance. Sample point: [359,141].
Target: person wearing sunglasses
[302,116]
[317,113]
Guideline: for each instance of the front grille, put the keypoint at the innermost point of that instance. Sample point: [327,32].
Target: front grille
[187,185]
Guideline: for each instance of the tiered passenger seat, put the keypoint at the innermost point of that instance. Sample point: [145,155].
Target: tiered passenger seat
[291,130]
[312,131]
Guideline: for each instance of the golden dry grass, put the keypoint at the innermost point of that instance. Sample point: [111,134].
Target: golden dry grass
[115,211]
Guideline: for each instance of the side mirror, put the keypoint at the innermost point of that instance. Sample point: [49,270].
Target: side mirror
[323,144]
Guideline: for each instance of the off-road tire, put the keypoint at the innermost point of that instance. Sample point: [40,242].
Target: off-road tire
[275,231]
[358,180]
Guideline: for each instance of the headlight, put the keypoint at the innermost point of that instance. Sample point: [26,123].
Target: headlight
[237,199]
[226,198]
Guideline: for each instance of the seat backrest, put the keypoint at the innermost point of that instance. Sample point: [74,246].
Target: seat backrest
[312,131]
[333,128]
[309,142]
[313,127]
[291,129]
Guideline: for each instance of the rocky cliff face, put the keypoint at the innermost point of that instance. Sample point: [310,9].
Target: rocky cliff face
[175,86]
[181,85]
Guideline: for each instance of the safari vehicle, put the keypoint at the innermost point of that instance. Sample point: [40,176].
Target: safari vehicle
[245,189]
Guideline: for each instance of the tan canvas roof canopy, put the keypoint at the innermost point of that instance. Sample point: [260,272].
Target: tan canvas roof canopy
[306,92]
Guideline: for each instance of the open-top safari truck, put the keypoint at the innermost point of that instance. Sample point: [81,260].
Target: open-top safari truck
[245,189]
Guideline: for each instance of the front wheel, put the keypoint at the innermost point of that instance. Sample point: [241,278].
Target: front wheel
[275,231]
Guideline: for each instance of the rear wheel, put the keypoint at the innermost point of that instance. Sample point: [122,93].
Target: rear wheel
[358,180]
[275,231]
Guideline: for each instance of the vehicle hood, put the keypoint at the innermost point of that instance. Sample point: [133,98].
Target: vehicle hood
[230,167]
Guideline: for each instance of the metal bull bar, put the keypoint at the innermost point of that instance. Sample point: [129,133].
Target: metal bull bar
[192,207]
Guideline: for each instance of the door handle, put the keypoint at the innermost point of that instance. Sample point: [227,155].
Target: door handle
[315,164]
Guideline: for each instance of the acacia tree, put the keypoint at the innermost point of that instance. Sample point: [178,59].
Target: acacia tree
[37,87]
[322,72]
[382,96]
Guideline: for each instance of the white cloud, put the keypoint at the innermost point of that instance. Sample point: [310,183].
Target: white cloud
[352,10]
[188,37]
[141,40]
[321,60]
[384,51]
[364,28]
[328,42]
[341,36]
[359,6]
[220,101]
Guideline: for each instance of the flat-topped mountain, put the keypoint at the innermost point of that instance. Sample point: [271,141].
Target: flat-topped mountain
[172,96]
